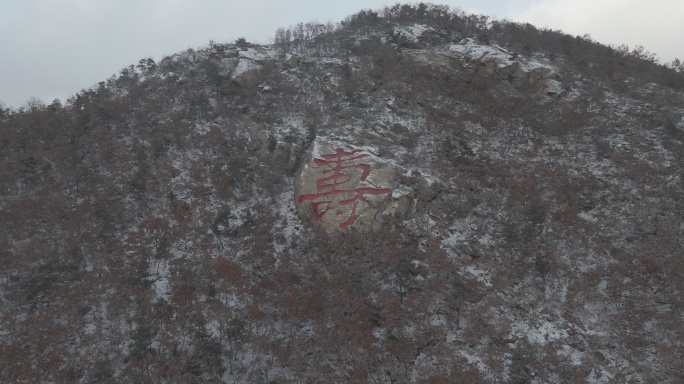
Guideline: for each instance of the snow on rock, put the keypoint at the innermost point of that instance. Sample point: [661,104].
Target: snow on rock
[412,33]
[523,72]
[519,70]
[239,68]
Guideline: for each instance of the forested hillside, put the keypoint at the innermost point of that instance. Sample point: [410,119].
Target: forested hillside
[519,215]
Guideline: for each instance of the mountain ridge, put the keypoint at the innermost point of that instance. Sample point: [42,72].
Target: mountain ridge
[153,234]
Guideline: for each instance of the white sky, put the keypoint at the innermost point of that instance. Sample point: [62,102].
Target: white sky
[54,48]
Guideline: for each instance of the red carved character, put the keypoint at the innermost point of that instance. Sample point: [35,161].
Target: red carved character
[339,165]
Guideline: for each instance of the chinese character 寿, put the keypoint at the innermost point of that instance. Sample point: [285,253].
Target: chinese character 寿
[332,184]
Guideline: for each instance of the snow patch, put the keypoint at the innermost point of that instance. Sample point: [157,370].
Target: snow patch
[587,216]
[503,57]
[482,275]
[160,272]
[412,33]
[540,333]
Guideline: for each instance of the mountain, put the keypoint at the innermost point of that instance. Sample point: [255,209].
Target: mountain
[414,195]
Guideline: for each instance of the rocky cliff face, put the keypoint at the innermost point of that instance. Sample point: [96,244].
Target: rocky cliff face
[416,195]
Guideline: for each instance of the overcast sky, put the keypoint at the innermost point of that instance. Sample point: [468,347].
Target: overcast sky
[54,48]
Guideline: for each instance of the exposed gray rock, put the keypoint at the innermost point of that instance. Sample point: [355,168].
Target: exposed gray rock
[292,62]
[341,187]
[280,146]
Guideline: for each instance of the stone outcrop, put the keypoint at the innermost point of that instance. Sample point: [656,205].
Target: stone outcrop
[522,72]
[508,66]
[344,187]
[291,62]
[282,146]
[337,185]
[241,68]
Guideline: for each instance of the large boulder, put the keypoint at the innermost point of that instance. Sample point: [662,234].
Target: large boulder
[345,187]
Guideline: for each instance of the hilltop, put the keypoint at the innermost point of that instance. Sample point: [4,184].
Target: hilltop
[511,212]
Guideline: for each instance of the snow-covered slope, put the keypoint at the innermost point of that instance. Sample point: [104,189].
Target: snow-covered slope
[496,209]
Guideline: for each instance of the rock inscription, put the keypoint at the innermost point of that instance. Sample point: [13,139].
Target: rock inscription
[339,186]
[334,190]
